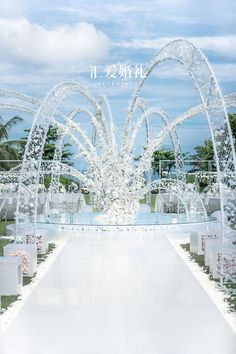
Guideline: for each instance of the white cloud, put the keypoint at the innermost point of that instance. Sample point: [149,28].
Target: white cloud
[12,8]
[25,41]
[224,45]
[225,72]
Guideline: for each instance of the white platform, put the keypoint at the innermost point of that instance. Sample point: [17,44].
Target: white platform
[197,238]
[10,275]
[28,254]
[112,296]
[211,251]
[40,239]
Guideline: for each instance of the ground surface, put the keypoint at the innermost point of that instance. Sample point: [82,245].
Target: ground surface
[126,296]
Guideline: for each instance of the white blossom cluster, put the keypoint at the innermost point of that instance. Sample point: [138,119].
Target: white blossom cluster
[115,180]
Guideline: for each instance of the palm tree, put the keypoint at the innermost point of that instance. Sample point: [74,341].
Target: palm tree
[167,158]
[8,148]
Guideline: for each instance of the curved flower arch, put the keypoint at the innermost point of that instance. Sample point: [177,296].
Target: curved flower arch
[117,183]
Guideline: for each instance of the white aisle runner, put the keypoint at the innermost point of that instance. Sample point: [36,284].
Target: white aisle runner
[124,296]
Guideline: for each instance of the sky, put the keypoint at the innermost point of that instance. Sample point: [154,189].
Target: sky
[43,43]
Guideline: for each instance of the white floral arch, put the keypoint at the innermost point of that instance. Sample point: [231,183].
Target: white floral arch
[124,176]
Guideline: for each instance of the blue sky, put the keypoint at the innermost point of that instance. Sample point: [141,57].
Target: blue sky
[45,42]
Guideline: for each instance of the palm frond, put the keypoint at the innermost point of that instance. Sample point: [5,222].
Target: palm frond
[13,143]
[6,126]
[8,153]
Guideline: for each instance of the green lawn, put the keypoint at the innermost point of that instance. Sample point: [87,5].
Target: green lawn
[6,301]
[3,225]
[200,261]
[153,198]
[3,242]
[86,198]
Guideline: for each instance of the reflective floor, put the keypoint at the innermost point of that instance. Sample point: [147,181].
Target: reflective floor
[118,296]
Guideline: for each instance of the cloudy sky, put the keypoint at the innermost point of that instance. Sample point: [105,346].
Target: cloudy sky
[45,42]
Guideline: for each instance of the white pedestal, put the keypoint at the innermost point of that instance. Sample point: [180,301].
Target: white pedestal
[28,254]
[10,275]
[196,245]
[40,240]
[212,250]
[209,244]
[197,240]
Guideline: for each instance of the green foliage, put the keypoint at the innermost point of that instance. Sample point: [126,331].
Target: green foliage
[63,180]
[9,149]
[49,147]
[3,225]
[203,152]
[48,154]
[50,144]
[232,120]
[163,154]
[47,181]
[206,152]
